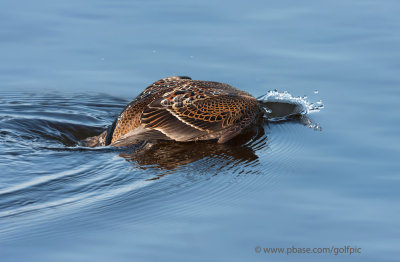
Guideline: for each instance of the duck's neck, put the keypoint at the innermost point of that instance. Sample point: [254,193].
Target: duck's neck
[280,109]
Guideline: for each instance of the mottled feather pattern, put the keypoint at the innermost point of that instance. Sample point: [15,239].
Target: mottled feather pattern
[129,118]
[182,109]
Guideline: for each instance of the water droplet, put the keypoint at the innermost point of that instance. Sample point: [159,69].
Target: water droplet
[315,91]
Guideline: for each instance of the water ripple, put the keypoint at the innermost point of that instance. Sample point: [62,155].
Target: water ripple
[47,175]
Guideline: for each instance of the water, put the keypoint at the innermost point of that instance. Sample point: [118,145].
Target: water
[67,69]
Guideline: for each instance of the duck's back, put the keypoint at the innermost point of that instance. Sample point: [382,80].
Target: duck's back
[182,109]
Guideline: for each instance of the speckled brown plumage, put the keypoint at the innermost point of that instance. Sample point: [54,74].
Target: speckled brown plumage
[182,109]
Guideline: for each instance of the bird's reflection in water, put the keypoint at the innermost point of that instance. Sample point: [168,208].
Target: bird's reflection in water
[169,155]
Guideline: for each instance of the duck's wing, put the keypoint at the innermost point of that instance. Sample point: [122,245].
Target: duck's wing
[122,131]
[186,114]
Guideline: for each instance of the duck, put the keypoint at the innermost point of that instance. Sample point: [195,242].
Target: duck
[181,109]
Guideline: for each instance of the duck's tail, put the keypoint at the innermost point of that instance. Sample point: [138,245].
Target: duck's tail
[94,141]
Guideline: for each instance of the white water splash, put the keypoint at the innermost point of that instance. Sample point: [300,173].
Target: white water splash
[286,97]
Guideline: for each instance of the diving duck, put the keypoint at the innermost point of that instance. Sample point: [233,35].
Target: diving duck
[181,109]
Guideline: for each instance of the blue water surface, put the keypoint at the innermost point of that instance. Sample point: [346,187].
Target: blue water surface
[67,68]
